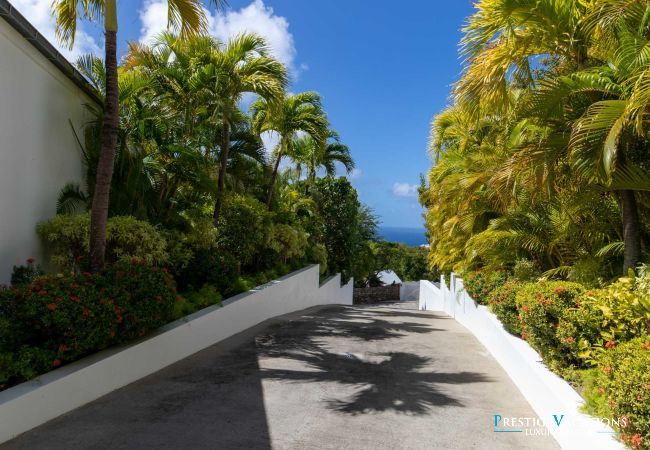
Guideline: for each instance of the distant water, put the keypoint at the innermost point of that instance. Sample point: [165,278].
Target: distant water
[408,236]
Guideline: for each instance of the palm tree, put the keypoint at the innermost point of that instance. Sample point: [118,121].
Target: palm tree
[185,15]
[308,153]
[299,113]
[243,65]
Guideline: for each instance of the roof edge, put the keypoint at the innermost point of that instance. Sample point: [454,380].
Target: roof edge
[19,23]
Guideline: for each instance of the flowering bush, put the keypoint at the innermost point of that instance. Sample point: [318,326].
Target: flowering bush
[621,388]
[27,273]
[541,306]
[58,319]
[503,303]
[480,283]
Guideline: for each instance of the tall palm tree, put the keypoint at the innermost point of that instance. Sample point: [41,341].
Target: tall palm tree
[185,15]
[243,65]
[314,155]
[299,113]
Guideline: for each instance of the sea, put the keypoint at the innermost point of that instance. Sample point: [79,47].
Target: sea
[408,236]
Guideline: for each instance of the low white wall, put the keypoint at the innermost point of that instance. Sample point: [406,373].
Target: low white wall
[547,393]
[33,403]
[409,291]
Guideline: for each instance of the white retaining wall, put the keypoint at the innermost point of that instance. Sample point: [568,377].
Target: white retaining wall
[547,393]
[409,290]
[35,402]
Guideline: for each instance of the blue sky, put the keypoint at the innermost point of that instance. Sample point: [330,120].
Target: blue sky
[383,69]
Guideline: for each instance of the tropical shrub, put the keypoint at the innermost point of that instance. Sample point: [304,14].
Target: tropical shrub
[503,303]
[243,228]
[316,253]
[27,273]
[58,319]
[525,270]
[67,238]
[209,266]
[480,283]
[194,301]
[541,306]
[287,242]
[621,388]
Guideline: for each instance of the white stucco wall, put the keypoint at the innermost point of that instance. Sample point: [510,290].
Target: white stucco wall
[38,150]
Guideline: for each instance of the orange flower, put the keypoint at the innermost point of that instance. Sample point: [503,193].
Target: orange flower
[636,440]
[63,348]
[30,260]
[85,312]
[646,345]
[525,308]
[524,336]
[610,344]
[570,340]
[51,306]
[607,370]
[56,362]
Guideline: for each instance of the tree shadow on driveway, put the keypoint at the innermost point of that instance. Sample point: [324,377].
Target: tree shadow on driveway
[398,381]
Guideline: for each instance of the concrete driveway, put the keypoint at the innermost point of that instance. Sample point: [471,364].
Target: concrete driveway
[362,377]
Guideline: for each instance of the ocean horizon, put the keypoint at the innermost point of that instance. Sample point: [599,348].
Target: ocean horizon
[405,235]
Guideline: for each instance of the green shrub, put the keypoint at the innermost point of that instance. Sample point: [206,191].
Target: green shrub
[67,238]
[480,283]
[209,266]
[243,228]
[317,254]
[65,317]
[541,306]
[525,270]
[287,242]
[621,388]
[578,331]
[196,300]
[503,303]
[26,274]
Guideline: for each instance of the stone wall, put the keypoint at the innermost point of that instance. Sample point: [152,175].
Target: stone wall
[376,294]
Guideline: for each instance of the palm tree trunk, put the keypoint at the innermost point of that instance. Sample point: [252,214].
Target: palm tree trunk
[101,197]
[274,174]
[221,187]
[631,232]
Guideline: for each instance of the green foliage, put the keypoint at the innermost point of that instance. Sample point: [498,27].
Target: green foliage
[193,301]
[67,238]
[26,274]
[58,319]
[525,270]
[621,388]
[345,227]
[503,303]
[316,253]
[243,228]
[409,263]
[541,306]
[210,266]
[480,283]
[288,242]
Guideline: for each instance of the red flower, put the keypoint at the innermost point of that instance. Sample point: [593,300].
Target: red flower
[119,318]
[559,290]
[30,260]
[646,345]
[56,362]
[112,333]
[601,390]
[86,274]
[525,308]
[610,344]
[51,306]
[524,336]
[85,312]
[570,340]
[63,348]
[74,298]
[607,370]
[636,440]
[42,293]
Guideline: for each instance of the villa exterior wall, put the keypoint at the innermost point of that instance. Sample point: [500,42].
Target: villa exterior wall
[39,153]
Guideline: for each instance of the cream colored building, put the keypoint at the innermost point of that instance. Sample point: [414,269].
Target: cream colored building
[41,98]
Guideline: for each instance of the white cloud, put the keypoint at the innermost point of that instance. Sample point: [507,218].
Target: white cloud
[355,174]
[256,17]
[405,190]
[39,14]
